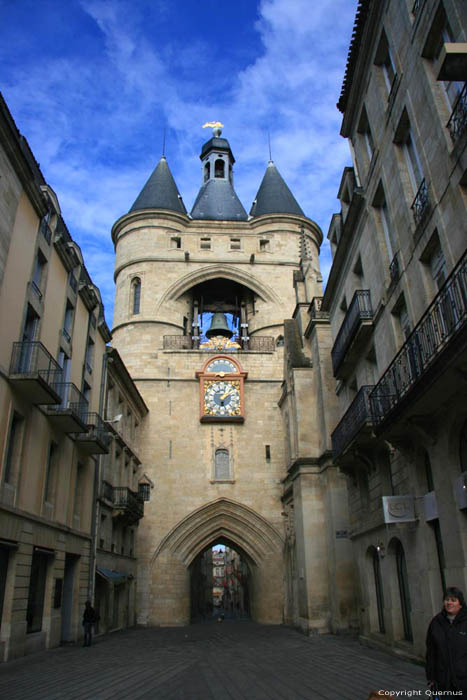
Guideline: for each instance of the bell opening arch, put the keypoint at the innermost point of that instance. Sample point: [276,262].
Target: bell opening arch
[221,521]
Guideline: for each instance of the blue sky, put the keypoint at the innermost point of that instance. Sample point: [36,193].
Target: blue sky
[92,84]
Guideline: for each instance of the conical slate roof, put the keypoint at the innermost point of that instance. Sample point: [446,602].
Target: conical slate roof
[217,201]
[160,191]
[274,197]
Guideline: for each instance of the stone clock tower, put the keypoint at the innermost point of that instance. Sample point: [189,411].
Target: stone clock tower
[234,444]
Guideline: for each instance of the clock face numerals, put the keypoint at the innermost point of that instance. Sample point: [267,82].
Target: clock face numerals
[222,398]
[221,366]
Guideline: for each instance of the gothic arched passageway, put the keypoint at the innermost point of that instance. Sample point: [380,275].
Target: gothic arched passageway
[219,583]
[177,592]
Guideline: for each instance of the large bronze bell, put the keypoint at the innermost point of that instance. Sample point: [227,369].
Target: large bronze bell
[219,326]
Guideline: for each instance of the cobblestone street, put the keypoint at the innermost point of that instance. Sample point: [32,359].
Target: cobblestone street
[209,661]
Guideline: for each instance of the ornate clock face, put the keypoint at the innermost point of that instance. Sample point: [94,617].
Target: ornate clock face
[221,365]
[222,398]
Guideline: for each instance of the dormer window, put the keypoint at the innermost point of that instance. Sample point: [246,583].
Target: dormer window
[219,168]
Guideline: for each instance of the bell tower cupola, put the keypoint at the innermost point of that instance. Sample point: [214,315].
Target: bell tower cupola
[217,199]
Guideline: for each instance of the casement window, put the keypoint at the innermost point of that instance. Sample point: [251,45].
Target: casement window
[385,61]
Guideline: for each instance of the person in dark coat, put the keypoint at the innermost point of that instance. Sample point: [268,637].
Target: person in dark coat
[89,619]
[446,645]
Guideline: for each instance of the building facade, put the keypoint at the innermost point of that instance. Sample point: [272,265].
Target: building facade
[321,439]
[51,430]
[199,321]
[397,303]
[123,489]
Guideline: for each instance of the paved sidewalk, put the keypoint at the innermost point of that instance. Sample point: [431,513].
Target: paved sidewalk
[209,661]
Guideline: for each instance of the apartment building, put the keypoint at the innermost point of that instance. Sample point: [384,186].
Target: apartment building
[397,304]
[52,432]
[123,489]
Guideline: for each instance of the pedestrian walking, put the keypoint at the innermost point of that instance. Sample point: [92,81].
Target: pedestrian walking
[89,619]
[446,645]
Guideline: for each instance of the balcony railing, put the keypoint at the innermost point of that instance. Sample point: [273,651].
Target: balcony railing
[97,438]
[394,269]
[34,368]
[420,204]
[128,502]
[354,419]
[70,414]
[187,342]
[445,316]
[457,123]
[360,310]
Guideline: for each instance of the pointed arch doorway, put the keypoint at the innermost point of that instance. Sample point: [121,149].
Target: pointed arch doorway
[220,583]
[258,542]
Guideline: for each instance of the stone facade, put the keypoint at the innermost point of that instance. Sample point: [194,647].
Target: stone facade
[396,298]
[182,266]
[53,341]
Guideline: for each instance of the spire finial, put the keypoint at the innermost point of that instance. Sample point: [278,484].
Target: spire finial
[216,128]
[269,142]
[163,144]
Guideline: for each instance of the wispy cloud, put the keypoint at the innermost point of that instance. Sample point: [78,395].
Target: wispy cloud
[95,117]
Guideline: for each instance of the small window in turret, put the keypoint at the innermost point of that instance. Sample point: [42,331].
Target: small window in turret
[205,244]
[175,242]
[264,245]
[207,171]
[235,244]
[219,168]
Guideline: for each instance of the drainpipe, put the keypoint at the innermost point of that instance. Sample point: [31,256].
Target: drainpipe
[95,495]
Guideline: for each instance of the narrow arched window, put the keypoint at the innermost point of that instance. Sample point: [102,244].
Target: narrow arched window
[219,168]
[207,171]
[222,470]
[136,294]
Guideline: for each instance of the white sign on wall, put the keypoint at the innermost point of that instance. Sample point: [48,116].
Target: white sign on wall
[399,509]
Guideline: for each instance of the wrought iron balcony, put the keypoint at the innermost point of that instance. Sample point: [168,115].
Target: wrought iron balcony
[355,419]
[457,123]
[34,371]
[127,504]
[97,438]
[421,203]
[436,331]
[357,324]
[70,414]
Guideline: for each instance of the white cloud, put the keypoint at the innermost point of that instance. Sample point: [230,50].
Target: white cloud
[96,124]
